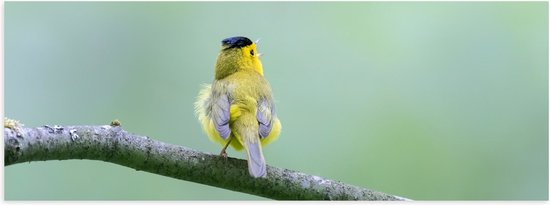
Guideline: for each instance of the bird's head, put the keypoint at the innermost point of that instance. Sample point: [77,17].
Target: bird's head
[238,53]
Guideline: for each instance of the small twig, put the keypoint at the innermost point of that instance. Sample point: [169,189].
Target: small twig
[113,144]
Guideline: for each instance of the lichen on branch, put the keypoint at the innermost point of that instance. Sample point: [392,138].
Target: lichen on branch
[110,143]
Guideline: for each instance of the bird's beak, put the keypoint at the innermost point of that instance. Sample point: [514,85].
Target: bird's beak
[260,55]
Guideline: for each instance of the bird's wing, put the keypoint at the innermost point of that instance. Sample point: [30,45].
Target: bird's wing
[265,113]
[220,115]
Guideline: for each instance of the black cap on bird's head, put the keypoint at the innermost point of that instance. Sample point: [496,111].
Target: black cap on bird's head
[236,42]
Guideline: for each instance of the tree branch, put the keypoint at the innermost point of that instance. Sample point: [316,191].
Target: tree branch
[113,144]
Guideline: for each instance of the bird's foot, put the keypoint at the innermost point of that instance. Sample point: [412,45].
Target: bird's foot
[223,154]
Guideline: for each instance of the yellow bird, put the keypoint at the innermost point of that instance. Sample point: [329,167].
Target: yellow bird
[238,108]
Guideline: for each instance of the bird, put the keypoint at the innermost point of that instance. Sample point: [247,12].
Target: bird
[238,108]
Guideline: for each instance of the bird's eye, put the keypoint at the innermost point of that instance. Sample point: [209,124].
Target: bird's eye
[252,52]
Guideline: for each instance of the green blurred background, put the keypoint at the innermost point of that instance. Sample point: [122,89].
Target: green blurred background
[430,101]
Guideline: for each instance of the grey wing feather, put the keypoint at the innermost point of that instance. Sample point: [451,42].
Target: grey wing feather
[220,115]
[265,114]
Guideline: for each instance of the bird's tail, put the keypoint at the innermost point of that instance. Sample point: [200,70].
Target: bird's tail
[256,161]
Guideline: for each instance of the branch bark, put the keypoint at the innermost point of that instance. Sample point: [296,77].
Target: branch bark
[113,144]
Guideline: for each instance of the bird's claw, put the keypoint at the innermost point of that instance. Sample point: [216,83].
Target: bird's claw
[223,154]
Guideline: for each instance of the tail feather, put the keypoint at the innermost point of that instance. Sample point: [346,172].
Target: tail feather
[256,161]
